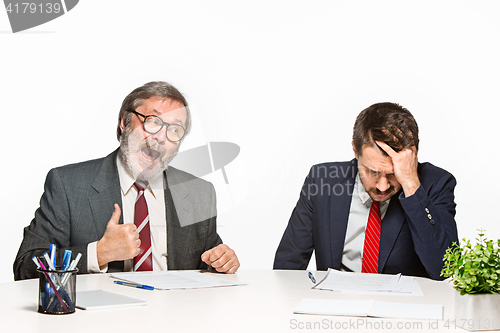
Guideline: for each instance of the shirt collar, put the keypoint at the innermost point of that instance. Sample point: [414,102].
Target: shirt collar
[155,186]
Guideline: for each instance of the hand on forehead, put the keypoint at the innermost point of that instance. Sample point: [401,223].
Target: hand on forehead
[399,140]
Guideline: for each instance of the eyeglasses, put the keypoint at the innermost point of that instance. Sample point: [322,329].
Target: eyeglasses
[154,124]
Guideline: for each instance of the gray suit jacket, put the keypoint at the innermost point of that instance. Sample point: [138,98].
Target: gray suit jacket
[77,204]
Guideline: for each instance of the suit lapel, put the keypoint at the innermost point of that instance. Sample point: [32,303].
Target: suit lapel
[391,226]
[180,195]
[339,214]
[107,193]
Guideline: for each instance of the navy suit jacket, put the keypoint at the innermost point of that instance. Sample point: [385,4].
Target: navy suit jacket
[415,232]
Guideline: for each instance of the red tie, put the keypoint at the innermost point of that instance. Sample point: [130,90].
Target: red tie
[372,240]
[144,260]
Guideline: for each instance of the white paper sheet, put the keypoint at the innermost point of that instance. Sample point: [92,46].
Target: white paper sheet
[347,282]
[369,308]
[176,279]
[105,299]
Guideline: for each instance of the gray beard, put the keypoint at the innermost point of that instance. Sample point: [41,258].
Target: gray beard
[132,165]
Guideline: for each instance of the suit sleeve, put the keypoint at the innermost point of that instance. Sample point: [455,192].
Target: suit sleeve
[51,225]
[213,238]
[431,215]
[296,246]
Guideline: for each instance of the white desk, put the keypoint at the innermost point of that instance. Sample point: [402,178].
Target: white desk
[264,304]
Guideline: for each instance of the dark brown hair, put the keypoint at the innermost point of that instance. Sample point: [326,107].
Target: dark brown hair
[387,122]
[152,89]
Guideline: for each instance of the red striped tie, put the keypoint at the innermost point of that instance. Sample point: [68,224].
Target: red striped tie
[144,260]
[372,240]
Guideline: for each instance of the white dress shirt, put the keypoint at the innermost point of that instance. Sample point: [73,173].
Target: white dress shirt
[155,199]
[356,226]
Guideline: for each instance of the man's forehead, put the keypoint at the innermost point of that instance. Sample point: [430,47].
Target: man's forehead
[162,104]
[373,159]
[165,108]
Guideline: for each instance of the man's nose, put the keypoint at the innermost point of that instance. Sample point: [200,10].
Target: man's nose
[383,184]
[160,136]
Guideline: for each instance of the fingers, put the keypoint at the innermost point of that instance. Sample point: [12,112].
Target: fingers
[397,137]
[222,258]
[386,148]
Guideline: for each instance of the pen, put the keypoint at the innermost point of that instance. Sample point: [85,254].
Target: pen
[73,265]
[52,251]
[49,261]
[140,286]
[66,260]
[35,260]
[311,276]
[44,297]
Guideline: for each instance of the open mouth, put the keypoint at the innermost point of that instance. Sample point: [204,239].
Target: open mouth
[150,154]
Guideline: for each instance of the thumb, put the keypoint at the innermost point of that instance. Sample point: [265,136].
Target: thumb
[115,217]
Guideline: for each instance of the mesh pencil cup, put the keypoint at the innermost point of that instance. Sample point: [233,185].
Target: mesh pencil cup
[57,291]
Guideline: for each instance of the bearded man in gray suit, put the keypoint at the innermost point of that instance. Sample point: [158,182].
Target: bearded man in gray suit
[82,204]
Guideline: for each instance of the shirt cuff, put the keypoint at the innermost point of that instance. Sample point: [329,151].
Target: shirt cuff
[92,263]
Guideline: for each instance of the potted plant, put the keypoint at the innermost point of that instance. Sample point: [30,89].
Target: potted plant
[475,273]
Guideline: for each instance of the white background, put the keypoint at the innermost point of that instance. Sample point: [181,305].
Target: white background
[282,79]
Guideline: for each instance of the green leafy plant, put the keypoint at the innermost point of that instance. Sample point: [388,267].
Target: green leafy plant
[474,269]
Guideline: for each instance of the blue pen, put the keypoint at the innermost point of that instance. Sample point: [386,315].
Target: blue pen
[66,260]
[311,276]
[140,286]
[52,251]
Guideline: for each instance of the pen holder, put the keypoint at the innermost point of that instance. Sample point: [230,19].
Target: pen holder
[57,291]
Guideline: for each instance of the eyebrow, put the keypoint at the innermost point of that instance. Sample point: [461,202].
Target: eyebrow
[367,168]
[176,120]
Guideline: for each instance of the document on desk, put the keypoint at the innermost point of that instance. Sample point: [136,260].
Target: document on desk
[176,279]
[104,299]
[380,309]
[348,282]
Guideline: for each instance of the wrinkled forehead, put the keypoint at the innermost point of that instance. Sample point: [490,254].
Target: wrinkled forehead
[373,159]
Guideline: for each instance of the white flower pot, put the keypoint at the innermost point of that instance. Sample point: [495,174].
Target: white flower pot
[477,312]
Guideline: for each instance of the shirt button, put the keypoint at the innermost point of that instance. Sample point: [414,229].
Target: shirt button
[429,216]
[426,210]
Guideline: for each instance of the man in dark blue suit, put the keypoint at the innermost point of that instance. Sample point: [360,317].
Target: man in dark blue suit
[416,204]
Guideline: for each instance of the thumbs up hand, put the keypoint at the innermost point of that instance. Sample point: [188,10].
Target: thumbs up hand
[119,242]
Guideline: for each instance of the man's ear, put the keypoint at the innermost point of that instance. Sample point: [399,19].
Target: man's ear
[354,150]
[122,123]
